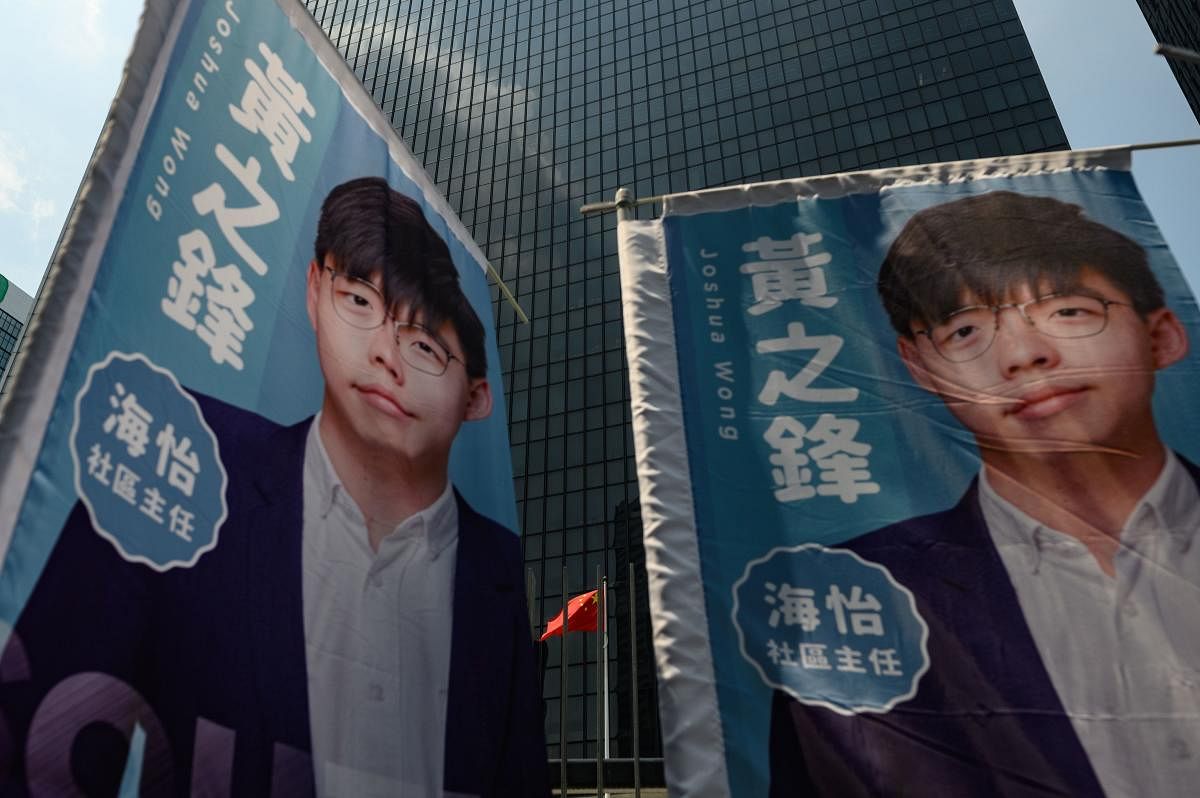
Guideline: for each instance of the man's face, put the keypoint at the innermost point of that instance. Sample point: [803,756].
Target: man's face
[374,399]
[1033,393]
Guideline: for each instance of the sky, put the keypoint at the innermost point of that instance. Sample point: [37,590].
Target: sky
[1097,58]
[64,60]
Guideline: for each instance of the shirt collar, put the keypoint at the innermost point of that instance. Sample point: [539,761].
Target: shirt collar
[319,475]
[1010,526]
[1171,506]
[437,523]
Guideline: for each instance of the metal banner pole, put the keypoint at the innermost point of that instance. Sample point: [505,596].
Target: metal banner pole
[562,693]
[637,752]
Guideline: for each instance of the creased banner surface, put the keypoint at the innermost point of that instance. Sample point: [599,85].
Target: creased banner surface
[257,496]
[918,474]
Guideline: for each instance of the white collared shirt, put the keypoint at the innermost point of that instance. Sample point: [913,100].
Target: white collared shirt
[377,638]
[1123,653]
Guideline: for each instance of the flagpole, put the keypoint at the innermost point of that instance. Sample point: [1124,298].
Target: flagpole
[530,592]
[604,632]
[599,688]
[562,693]
[637,760]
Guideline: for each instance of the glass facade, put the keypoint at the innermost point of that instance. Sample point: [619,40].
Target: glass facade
[524,110]
[10,331]
[1177,22]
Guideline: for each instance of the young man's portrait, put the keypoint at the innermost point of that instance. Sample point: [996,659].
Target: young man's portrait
[359,629]
[1061,590]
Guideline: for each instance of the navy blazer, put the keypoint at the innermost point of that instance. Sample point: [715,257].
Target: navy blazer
[210,660]
[986,719]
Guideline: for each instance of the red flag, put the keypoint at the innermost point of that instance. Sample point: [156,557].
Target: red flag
[581,615]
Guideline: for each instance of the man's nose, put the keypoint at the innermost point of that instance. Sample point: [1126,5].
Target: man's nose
[1020,345]
[383,351]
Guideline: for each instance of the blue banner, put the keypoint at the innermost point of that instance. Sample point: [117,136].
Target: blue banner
[939,487]
[259,503]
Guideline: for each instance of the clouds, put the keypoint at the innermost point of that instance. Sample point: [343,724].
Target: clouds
[29,220]
[81,36]
[42,209]
[12,182]
[77,32]
[17,194]
[59,68]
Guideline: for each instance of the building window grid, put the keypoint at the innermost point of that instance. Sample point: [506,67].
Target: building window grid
[9,324]
[445,157]
[1177,22]
[10,331]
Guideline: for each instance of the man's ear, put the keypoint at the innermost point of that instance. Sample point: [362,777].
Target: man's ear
[914,361]
[313,291]
[1168,337]
[479,400]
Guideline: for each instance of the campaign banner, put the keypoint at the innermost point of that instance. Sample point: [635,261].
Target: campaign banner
[255,490]
[918,482]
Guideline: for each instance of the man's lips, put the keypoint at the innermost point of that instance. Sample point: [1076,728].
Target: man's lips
[383,401]
[1044,402]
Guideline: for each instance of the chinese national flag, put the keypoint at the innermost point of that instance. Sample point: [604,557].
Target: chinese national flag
[581,616]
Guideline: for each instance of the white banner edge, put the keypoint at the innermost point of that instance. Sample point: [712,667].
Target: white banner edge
[878,180]
[693,740]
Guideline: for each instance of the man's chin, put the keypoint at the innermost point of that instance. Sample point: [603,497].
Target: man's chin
[381,448]
[1046,445]
[369,431]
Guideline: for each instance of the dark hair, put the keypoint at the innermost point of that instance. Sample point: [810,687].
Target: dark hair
[370,230]
[988,243]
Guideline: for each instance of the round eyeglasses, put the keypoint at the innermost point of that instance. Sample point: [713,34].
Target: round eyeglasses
[969,332]
[361,305]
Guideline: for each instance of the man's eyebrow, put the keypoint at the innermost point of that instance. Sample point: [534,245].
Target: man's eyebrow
[348,275]
[441,341]
[413,322]
[1075,289]
[1082,290]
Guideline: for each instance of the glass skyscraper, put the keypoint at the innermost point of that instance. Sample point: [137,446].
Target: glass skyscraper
[524,110]
[15,306]
[1177,22]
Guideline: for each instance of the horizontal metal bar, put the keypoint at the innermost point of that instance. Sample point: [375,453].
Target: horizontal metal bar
[606,207]
[618,773]
[1159,145]
[1182,53]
